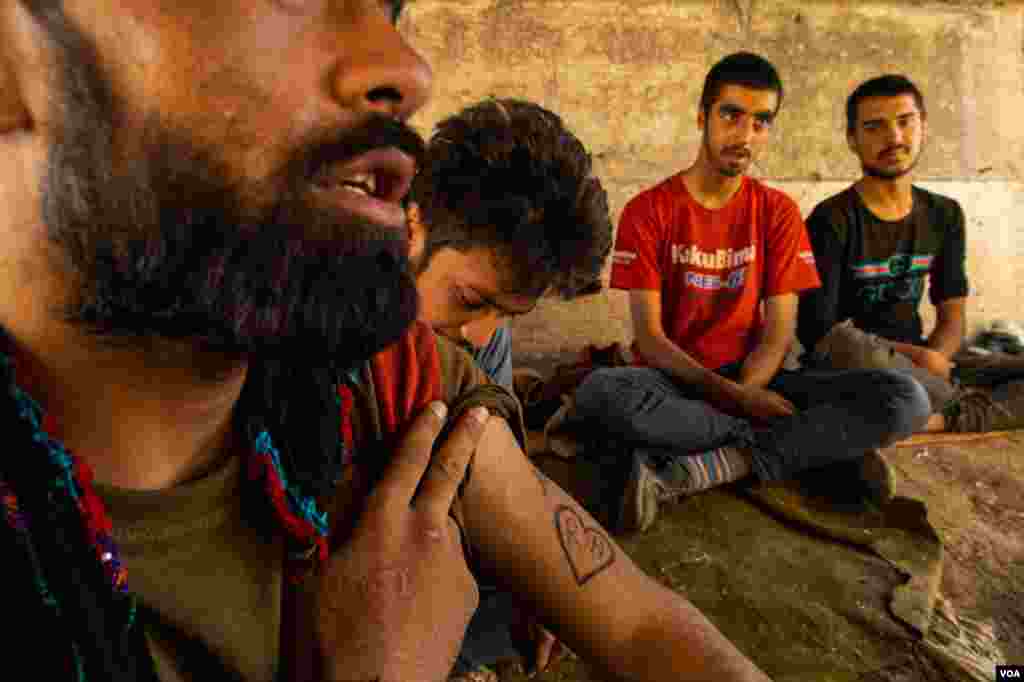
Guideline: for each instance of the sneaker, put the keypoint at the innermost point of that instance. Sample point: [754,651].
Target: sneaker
[638,509]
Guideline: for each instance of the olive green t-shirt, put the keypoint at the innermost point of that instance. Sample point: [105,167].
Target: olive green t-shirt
[209,584]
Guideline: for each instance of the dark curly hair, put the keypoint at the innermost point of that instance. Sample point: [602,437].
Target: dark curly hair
[506,174]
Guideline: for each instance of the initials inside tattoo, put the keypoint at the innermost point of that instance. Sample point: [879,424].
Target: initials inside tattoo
[587,549]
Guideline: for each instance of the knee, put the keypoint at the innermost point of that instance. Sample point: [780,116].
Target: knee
[594,397]
[908,403]
[616,396]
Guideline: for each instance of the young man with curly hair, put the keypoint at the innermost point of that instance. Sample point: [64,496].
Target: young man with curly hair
[505,210]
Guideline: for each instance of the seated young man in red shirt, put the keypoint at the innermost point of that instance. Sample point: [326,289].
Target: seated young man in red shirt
[714,262]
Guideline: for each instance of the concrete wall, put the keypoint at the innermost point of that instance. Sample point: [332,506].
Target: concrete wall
[626,75]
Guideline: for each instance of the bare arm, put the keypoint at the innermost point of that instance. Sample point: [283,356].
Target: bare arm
[821,308]
[776,338]
[542,546]
[950,326]
[944,341]
[659,351]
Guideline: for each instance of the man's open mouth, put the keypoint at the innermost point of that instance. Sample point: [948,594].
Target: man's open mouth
[383,174]
[371,185]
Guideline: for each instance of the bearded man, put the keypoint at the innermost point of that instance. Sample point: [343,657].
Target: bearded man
[213,464]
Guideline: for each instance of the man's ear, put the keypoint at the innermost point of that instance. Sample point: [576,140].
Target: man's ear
[417,231]
[14,114]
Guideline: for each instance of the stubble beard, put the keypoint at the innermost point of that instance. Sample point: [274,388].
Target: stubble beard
[884,174]
[718,163]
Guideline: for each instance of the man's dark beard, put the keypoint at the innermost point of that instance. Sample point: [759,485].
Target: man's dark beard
[165,251]
[883,174]
[165,246]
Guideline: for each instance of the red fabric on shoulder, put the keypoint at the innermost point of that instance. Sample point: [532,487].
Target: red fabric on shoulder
[406,377]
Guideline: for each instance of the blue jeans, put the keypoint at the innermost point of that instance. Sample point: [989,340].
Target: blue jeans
[841,414]
[488,637]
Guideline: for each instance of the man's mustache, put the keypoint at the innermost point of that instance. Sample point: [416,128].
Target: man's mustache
[738,151]
[896,148]
[338,146]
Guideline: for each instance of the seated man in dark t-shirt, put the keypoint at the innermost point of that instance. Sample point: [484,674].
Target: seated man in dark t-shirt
[875,244]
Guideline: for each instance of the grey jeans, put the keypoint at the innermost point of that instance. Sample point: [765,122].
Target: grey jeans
[847,347]
[840,415]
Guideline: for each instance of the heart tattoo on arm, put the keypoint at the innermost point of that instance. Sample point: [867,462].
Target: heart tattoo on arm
[588,551]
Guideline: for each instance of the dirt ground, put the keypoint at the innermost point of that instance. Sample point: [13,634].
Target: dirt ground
[975,495]
[974,490]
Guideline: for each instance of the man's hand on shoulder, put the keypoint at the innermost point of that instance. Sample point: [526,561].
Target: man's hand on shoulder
[396,599]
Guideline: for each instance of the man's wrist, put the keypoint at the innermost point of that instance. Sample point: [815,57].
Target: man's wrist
[717,386]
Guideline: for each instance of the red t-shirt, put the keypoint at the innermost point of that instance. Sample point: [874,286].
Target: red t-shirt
[713,267]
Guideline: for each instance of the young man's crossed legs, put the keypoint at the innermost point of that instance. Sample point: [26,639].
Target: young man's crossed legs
[682,444]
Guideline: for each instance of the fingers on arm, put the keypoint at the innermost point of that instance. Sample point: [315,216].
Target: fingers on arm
[447,469]
[412,457]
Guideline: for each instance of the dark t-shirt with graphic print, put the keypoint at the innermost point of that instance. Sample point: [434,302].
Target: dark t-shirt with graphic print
[874,270]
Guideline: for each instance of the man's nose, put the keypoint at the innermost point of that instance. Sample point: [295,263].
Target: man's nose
[747,129]
[377,71]
[893,134]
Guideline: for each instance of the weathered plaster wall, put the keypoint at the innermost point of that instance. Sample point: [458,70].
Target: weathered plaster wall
[626,75]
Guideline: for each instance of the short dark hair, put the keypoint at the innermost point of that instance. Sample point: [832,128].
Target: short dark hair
[740,68]
[506,174]
[889,85]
